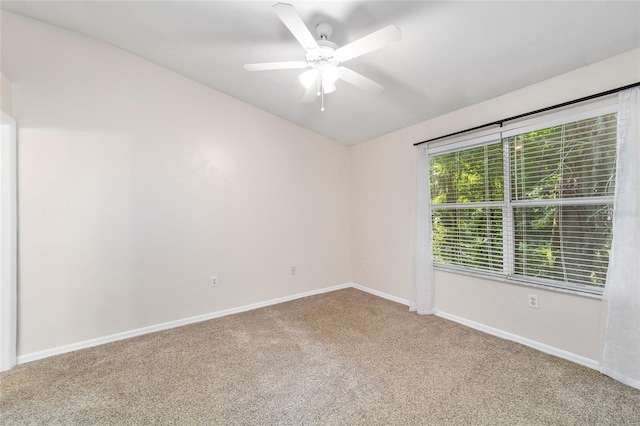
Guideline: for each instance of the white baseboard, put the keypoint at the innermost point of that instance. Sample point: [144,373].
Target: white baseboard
[178,323]
[551,350]
[22,359]
[380,294]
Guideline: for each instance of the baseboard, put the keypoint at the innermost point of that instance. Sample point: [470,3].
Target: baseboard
[380,294]
[621,378]
[22,359]
[551,350]
[578,359]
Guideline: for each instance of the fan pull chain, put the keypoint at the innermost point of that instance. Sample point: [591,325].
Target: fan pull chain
[321,92]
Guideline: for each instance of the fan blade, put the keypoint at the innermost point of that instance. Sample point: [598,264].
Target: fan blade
[266,66]
[310,94]
[360,81]
[292,20]
[376,40]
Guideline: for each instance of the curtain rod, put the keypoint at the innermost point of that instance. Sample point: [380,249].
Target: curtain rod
[526,114]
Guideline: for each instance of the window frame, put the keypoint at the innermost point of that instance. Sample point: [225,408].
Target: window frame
[486,137]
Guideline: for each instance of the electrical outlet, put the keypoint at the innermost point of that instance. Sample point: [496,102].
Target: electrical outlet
[533,301]
[214,281]
[293,270]
[364,265]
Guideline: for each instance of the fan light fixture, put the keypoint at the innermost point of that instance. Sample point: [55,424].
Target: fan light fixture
[324,56]
[309,78]
[324,75]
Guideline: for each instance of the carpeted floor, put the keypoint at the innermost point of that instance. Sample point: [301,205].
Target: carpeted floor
[341,358]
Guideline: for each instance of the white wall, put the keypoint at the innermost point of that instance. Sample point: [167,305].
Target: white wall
[6,95]
[383,185]
[137,185]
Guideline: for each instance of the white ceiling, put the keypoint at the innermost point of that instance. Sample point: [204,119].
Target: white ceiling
[452,54]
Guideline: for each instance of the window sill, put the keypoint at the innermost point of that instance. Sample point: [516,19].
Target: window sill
[503,279]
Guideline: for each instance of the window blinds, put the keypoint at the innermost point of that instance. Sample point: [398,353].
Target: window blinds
[466,201]
[535,205]
[562,182]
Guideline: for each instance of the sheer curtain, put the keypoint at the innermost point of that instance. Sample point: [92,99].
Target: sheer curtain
[423,258]
[620,356]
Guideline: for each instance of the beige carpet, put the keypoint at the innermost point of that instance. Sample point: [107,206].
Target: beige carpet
[339,358]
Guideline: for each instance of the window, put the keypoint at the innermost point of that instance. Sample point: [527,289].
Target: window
[467,195]
[531,204]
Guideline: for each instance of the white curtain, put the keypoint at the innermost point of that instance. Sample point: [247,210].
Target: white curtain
[620,357]
[423,261]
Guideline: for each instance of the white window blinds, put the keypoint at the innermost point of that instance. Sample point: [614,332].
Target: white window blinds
[467,201]
[534,206]
[562,182]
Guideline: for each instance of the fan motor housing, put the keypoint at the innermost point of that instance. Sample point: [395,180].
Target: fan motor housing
[324,53]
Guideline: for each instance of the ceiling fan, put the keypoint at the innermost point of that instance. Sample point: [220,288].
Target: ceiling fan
[323,57]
